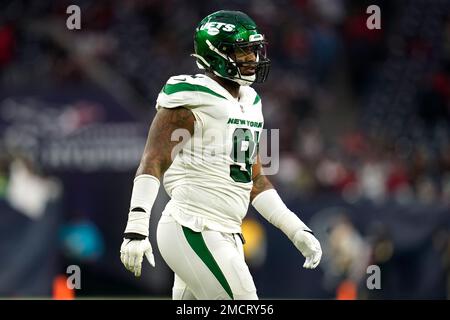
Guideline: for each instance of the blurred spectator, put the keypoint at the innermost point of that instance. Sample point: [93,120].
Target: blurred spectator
[7,43]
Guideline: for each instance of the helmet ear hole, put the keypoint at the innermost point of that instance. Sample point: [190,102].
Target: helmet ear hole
[231,70]
[213,60]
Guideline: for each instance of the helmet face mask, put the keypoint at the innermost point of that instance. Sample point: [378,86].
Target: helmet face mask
[260,63]
[228,44]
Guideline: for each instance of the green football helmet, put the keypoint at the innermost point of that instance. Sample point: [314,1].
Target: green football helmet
[221,36]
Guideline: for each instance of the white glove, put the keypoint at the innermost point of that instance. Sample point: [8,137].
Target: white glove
[310,248]
[135,243]
[132,253]
[269,204]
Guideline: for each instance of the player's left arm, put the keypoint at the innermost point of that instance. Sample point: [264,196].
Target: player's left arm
[260,182]
[268,203]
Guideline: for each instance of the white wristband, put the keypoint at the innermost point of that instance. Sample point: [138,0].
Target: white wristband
[269,204]
[145,190]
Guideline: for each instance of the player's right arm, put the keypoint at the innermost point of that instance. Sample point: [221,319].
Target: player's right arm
[156,159]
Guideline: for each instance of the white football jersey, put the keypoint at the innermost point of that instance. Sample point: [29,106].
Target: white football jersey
[210,179]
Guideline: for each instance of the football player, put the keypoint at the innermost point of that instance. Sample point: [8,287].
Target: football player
[215,174]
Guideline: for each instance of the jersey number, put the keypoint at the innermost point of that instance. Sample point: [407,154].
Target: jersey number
[243,153]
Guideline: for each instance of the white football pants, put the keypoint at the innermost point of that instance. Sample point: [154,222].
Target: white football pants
[207,265]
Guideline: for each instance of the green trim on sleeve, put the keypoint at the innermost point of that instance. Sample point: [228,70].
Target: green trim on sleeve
[257,99]
[184,86]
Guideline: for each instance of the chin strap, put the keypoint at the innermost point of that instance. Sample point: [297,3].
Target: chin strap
[243,81]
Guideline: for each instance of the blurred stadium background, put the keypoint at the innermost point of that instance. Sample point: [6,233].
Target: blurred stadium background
[364,142]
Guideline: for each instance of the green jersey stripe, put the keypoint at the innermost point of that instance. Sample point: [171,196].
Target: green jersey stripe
[184,86]
[197,243]
[257,99]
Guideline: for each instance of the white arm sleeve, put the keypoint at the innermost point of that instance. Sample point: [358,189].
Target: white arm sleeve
[269,204]
[145,190]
